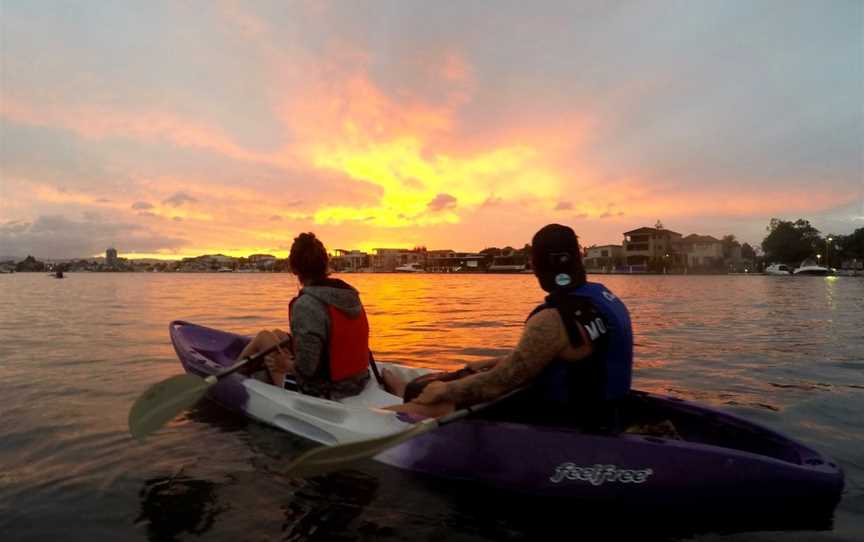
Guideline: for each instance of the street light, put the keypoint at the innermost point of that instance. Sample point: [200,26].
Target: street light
[828,251]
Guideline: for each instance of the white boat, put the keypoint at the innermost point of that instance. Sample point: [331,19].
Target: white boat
[778,269]
[409,268]
[507,268]
[809,268]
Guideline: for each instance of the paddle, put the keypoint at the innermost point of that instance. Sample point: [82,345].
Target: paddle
[326,459]
[165,400]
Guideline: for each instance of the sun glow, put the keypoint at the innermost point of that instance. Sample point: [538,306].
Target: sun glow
[421,190]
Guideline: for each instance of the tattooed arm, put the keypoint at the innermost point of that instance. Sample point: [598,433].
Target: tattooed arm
[486,364]
[543,338]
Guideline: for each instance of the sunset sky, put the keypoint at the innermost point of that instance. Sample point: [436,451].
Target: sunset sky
[172,129]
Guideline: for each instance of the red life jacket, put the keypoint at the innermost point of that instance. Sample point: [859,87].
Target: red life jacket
[348,346]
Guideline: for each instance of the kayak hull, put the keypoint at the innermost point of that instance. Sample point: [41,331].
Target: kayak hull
[562,462]
[722,458]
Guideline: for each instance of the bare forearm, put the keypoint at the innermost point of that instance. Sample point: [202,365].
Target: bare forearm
[475,389]
[512,372]
[486,364]
[543,338]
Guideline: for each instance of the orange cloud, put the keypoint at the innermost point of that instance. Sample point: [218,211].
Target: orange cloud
[407,142]
[346,123]
[99,122]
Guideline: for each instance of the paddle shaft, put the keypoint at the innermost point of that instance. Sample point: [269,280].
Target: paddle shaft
[285,342]
[461,413]
[168,398]
[328,458]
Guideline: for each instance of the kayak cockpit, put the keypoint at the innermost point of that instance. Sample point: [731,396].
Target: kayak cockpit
[660,419]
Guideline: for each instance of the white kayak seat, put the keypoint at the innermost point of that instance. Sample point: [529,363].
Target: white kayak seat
[358,417]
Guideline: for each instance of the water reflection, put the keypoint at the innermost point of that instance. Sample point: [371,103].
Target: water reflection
[374,503]
[412,322]
[786,353]
[174,505]
[328,509]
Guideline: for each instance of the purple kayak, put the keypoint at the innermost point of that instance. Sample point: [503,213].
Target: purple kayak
[711,457]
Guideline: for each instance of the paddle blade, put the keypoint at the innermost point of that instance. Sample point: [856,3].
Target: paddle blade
[326,459]
[163,401]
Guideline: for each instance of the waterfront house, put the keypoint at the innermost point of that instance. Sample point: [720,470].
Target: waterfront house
[603,258]
[511,261]
[388,259]
[651,249]
[702,251]
[450,261]
[349,261]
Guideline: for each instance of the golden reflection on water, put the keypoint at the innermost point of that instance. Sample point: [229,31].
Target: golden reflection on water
[75,353]
[715,334]
[424,320]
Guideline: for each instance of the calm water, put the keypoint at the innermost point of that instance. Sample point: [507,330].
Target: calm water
[75,353]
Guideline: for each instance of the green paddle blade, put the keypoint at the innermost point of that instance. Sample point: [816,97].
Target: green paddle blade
[163,401]
[326,459]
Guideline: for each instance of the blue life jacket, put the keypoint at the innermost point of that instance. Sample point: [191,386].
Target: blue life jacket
[606,374]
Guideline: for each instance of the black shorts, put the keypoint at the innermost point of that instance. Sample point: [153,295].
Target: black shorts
[414,388]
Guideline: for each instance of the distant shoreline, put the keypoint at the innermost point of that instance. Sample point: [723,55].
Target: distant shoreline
[840,273]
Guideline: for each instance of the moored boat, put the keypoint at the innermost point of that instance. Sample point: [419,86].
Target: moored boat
[811,268]
[711,456]
[778,269]
[409,268]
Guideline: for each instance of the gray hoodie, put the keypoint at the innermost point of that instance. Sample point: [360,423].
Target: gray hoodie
[310,327]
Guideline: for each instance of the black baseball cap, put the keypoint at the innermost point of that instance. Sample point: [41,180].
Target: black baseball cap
[556,257]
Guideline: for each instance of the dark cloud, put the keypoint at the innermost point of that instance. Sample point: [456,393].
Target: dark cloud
[441,202]
[142,205]
[56,236]
[609,214]
[14,227]
[179,199]
[563,206]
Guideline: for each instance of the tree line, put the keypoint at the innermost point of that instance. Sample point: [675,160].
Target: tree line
[791,243]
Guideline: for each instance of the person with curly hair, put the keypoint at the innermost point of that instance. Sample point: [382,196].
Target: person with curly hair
[329,356]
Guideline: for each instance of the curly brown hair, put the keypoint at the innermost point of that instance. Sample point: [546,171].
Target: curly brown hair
[308,258]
